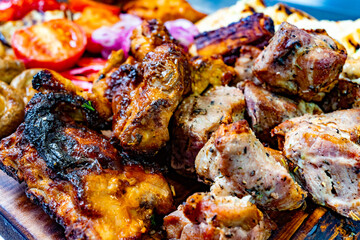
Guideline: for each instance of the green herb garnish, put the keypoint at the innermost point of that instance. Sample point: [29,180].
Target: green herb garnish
[152,220]
[88,106]
[297,65]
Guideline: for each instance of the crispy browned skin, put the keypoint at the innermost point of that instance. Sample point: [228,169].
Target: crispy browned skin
[196,118]
[163,10]
[299,62]
[145,38]
[255,30]
[210,70]
[267,110]
[143,111]
[325,150]
[345,95]
[77,176]
[239,165]
[47,81]
[244,64]
[207,216]
[103,87]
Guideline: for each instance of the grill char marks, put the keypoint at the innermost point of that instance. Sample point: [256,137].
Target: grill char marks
[255,30]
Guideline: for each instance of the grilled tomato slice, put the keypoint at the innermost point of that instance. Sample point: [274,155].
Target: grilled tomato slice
[56,44]
[80,5]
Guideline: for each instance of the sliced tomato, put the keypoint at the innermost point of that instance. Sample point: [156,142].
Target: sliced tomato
[57,44]
[80,5]
[92,19]
[17,9]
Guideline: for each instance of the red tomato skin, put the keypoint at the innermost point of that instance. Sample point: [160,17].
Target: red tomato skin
[16,9]
[57,66]
[93,47]
[79,5]
[57,63]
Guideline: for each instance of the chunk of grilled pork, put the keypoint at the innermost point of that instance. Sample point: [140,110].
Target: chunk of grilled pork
[326,153]
[300,62]
[196,118]
[206,216]
[238,164]
[267,110]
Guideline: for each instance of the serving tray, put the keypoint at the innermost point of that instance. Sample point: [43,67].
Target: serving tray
[20,219]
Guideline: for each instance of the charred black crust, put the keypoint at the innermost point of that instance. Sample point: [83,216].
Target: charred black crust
[10,171]
[124,77]
[43,129]
[38,200]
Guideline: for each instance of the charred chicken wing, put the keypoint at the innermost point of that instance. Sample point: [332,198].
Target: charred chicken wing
[239,165]
[325,150]
[149,35]
[143,111]
[207,216]
[77,176]
[300,62]
[47,81]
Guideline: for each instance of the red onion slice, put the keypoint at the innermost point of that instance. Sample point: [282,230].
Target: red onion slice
[182,30]
[117,36]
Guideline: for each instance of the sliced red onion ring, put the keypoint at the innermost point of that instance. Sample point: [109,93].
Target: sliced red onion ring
[117,36]
[182,30]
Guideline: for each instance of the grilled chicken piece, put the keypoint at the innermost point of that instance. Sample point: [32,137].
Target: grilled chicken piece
[345,95]
[239,165]
[163,10]
[145,38]
[207,216]
[210,70]
[10,68]
[300,62]
[197,118]
[255,30]
[77,176]
[142,112]
[116,79]
[267,110]
[47,81]
[104,87]
[325,150]
[244,64]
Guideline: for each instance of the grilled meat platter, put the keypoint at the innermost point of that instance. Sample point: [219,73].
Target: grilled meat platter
[110,110]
